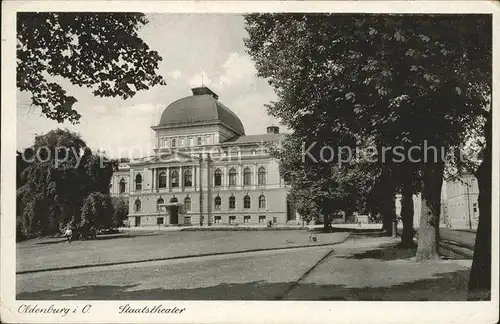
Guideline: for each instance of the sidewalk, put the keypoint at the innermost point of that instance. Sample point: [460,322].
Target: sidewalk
[375,269]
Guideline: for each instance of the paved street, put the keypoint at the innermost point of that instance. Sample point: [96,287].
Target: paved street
[361,268]
[464,238]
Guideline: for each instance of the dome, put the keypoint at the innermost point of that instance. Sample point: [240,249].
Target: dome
[200,108]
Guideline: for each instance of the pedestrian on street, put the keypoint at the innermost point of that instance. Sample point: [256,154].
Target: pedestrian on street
[68,234]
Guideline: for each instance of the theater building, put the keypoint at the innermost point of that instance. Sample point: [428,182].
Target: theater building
[205,170]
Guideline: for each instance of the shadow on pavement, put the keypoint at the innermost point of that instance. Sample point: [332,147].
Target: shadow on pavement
[386,252]
[446,286]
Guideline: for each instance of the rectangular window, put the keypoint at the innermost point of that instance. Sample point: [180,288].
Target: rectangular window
[198,140]
[275,219]
[159,221]
[232,219]
[246,219]
[187,220]
[262,219]
[217,219]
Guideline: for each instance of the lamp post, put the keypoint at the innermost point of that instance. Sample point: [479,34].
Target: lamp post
[468,204]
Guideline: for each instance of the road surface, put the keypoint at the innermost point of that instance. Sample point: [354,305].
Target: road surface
[361,268]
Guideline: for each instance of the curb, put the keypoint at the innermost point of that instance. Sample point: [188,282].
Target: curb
[457,248]
[458,244]
[83,266]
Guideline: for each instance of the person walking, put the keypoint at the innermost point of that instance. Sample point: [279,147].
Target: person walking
[68,234]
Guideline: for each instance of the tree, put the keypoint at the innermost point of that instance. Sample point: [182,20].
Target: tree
[480,275]
[318,187]
[97,211]
[405,80]
[120,215]
[60,172]
[101,51]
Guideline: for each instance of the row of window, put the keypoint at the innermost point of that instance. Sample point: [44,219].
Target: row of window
[218,219]
[188,178]
[187,141]
[247,177]
[246,219]
[247,203]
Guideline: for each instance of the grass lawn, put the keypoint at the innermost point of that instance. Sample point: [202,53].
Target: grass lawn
[135,246]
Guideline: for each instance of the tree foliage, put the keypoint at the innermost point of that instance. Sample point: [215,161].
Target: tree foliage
[120,214]
[97,211]
[101,51]
[404,80]
[52,190]
[319,188]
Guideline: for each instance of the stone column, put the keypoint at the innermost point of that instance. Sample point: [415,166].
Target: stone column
[195,178]
[131,181]
[153,179]
[225,177]
[255,181]
[167,172]
[181,178]
[239,180]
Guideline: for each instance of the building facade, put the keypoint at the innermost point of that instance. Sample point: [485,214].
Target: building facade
[459,206]
[205,170]
[462,204]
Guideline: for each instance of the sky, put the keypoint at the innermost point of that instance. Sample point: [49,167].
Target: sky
[191,45]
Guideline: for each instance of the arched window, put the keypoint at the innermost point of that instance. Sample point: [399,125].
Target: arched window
[218,177]
[162,180]
[247,177]
[262,176]
[138,182]
[218,202]
[232,202]
[137,205]
[246,202]
[159,202]
[174,200]
[188,178]
[232,177]
[122,185]
[262,201]
[175,179]
[187,204]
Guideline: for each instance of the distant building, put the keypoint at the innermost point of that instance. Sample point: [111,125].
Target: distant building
[459,207]
[205,170]
[462,202]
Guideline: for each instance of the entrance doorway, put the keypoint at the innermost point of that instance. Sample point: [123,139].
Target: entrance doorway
[137,221]
[174,212]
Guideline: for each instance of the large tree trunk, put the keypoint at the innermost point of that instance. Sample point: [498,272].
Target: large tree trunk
[386,202]
[326,216]
[428,233]
[407,214]
[480,274]
[387,214]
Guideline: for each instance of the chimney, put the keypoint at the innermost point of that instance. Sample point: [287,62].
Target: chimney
[199,91]
[273,130]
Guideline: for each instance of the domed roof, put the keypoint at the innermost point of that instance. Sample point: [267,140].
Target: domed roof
[201,107]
